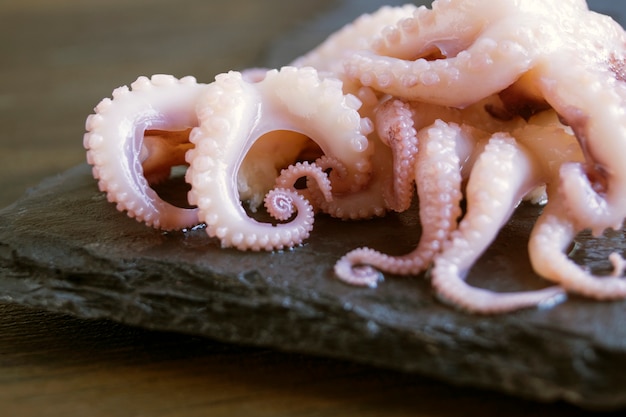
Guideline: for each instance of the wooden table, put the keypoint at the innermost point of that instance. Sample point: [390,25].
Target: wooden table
[58,59]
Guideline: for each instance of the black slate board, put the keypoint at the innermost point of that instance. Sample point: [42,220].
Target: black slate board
[64,248]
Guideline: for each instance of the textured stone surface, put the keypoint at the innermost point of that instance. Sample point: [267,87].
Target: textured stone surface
[64,248]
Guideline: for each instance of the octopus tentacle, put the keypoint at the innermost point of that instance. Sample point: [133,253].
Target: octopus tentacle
[264,161]
[506,169]
[395,127]
[549,73]
[391,180]
[332,195]
[281,203]
[234,113]
[356,35]
[354,206]
[444,151]
[337,197]
[427,32]
[594,191]
[555,145]
[547,247]
[367,201]
[125,161]
[291,174]
[337,175]
[337,171]
[456,81]
[451,26]
[441,55]
[419,59]
[438,166]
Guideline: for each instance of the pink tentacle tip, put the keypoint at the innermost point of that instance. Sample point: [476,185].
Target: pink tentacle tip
[358,275]
[279,203]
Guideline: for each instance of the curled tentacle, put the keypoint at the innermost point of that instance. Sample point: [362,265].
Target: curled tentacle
[234,113]
[358,267]
[337,173]
[291,174]
[555,229]
[361,202]
[586,85]
[134,139]
[264,161]
[282,203]
[326,162]
[547,247]
[449,82]
[423,58]
[594,191]
[501,176]
[438,166]
[322,192]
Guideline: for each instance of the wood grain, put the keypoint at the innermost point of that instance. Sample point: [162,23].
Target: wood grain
[57,365]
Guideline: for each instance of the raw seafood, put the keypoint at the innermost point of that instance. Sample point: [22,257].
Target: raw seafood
[470,100]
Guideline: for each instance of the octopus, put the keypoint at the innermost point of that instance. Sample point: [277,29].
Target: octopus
[469,106]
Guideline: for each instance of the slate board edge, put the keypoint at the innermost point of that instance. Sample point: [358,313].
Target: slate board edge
[31,283]
[415,348]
